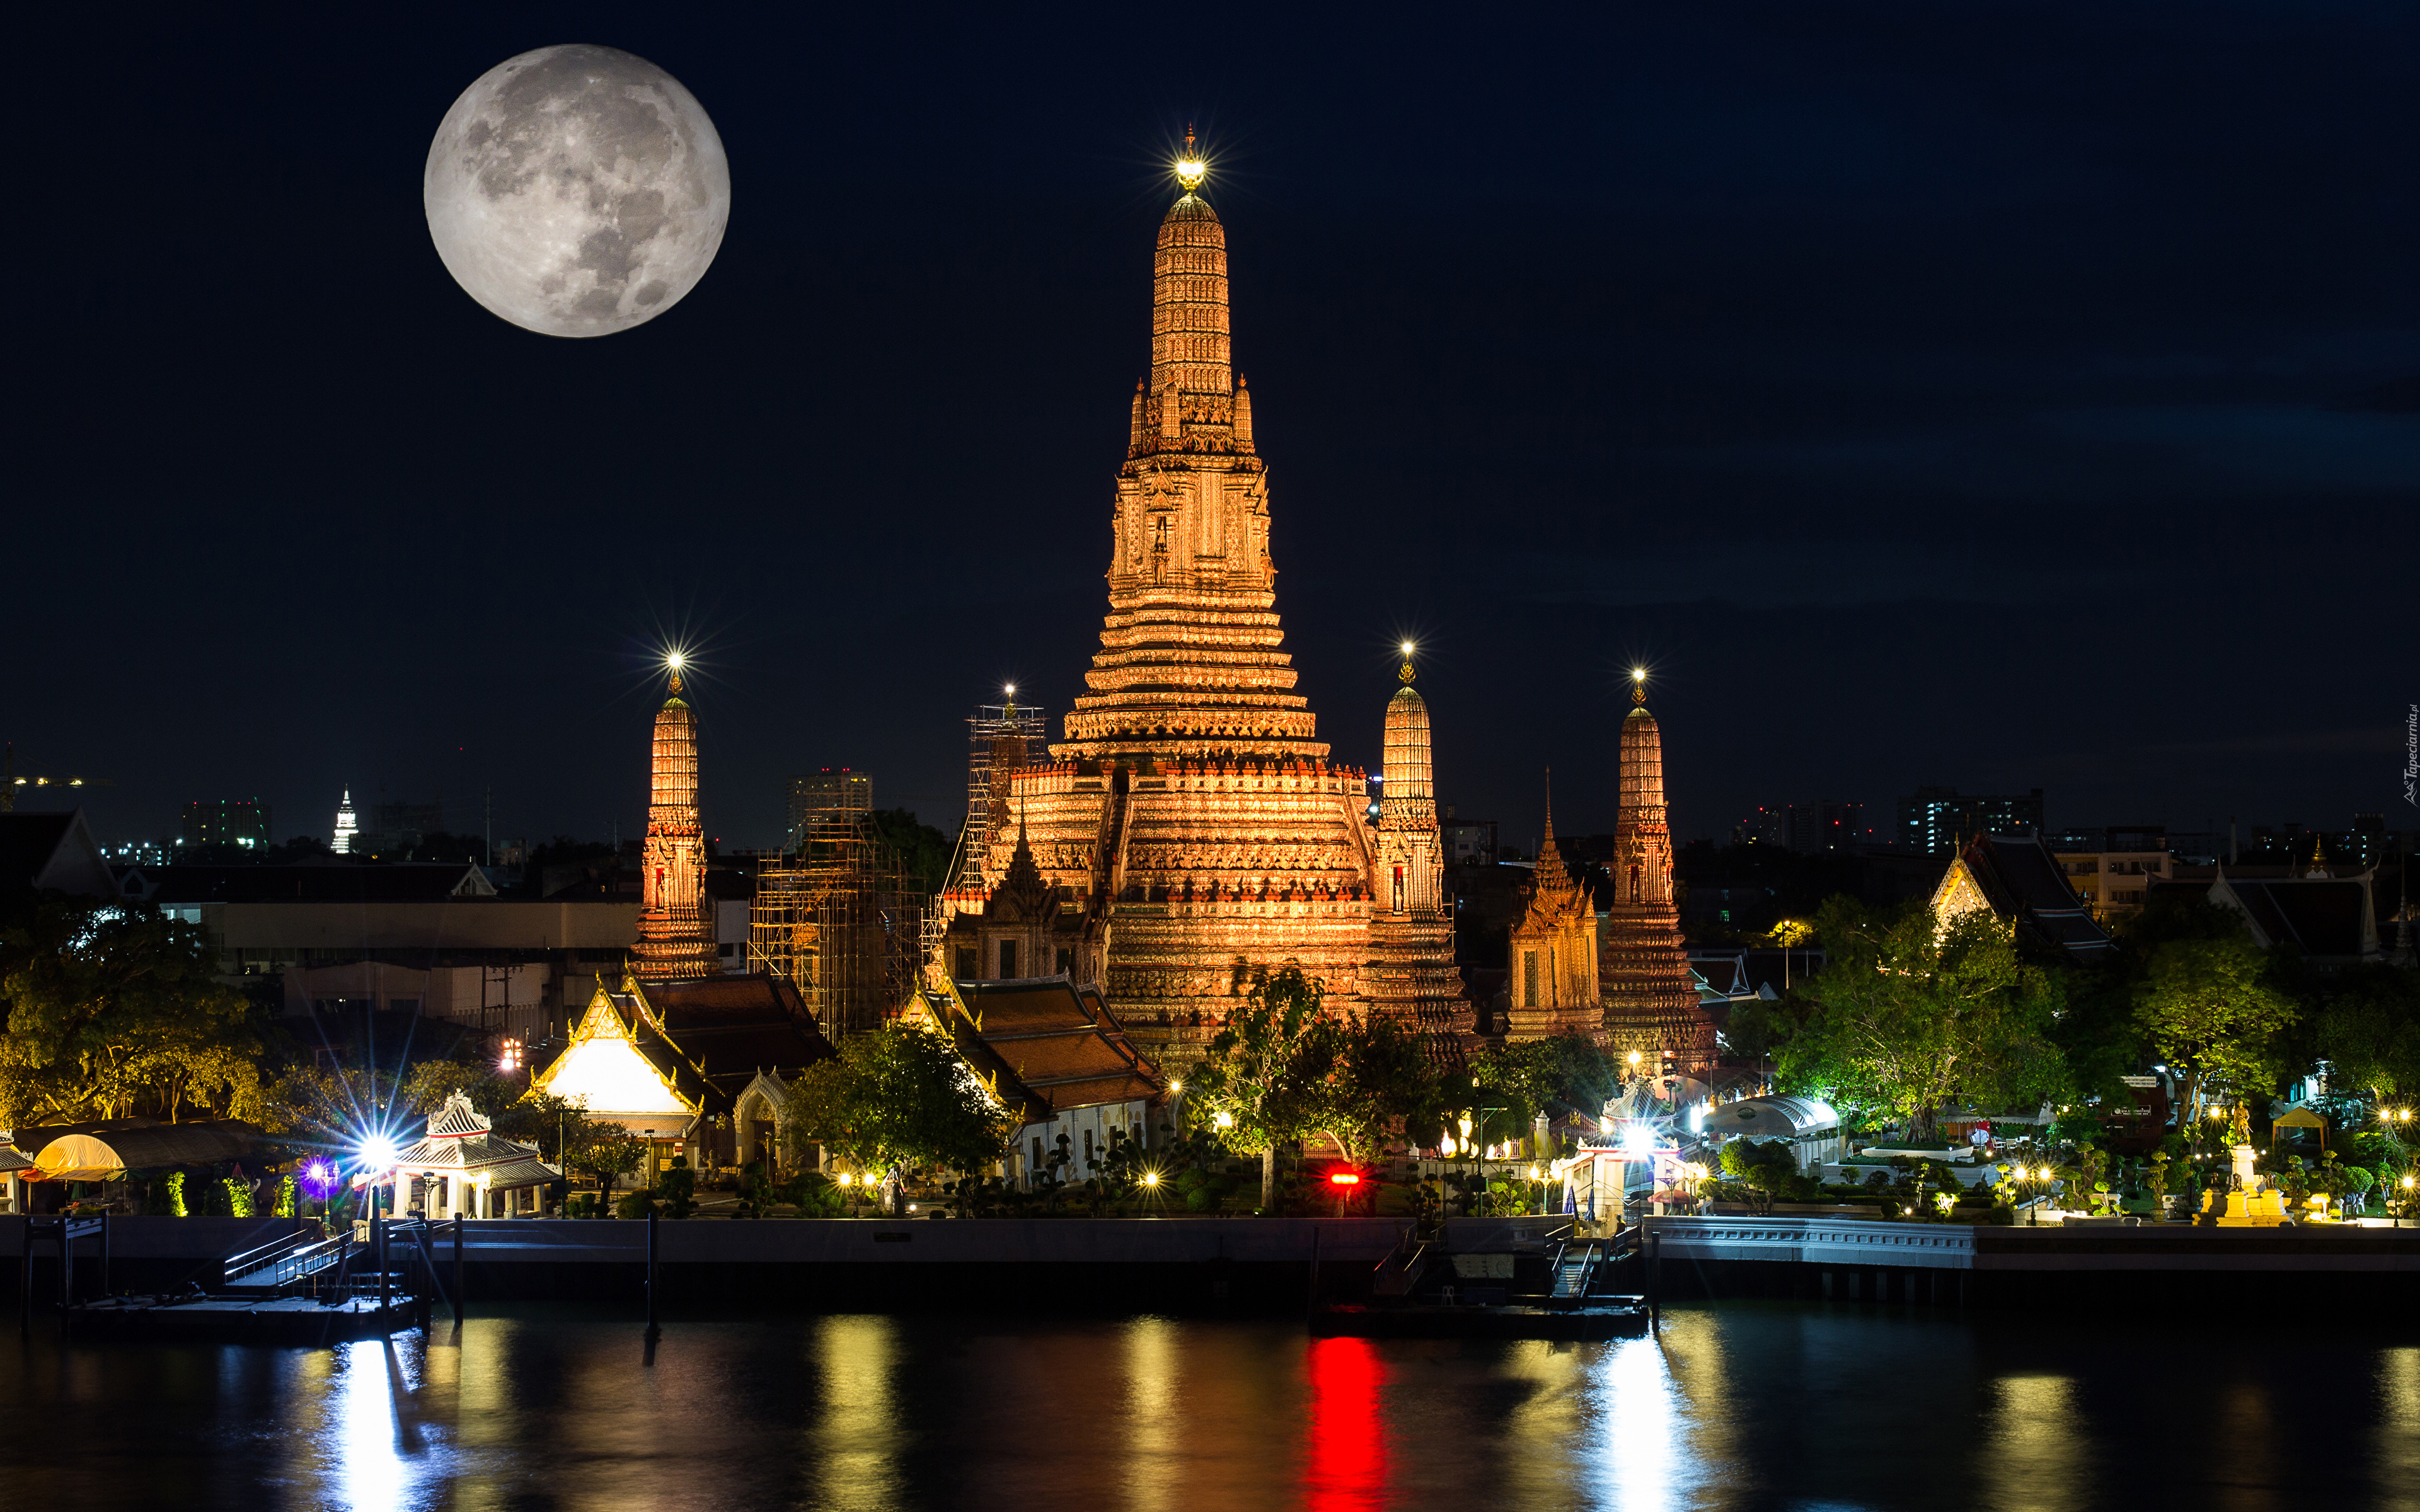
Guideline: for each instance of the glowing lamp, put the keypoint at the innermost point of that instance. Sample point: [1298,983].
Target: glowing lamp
[1176,1087]
[1010,689]
[675,660]
[846,1179]
[1633,1057]
[1190,172]
[377,1152]
[1224,1119]
[1407,648]
[1344,1179]
[1151,1178]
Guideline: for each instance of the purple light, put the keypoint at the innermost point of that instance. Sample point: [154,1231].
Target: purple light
[319,1178]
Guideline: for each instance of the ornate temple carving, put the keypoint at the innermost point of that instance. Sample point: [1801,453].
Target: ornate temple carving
[675,922]
[1651,1001]
[1411,975]
[1551,954]
[1191,825]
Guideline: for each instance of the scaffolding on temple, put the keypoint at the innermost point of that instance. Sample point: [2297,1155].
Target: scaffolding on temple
[835,913]
[1000,738]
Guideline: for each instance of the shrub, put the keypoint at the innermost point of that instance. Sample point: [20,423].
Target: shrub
[635,1205]
[284,1207]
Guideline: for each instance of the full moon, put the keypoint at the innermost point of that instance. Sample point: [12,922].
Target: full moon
[577,191]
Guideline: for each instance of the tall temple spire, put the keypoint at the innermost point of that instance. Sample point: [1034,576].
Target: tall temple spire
[1410,975]
[1190,818]
[676,926]
[1650,1002]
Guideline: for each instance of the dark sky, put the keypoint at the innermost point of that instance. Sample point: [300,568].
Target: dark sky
[1997,395]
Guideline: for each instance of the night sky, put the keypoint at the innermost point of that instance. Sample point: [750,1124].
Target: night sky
[1995,395]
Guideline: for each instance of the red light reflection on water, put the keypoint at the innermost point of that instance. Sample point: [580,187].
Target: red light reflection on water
[1344,1458]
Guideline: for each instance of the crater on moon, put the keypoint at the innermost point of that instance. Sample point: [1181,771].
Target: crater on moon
[577,191]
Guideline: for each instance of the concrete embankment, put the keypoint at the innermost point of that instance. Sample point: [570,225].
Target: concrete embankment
[2325,1266]
[1178,1264]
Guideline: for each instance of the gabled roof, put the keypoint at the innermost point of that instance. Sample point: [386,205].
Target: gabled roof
[42,852]
[386,882]
[2328,917]
[459,1139]
[1061,1043]
[704,1039]
[2018,878]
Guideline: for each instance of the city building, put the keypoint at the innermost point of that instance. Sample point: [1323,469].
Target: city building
[1410,974]
[2112,869]
[240,823]
[1191,819]
[832,790]
[1935,821]
[2018,879]
[1468,841]
[1824,827]
[675,921]
[347,826]
[395,827]
[1651,998]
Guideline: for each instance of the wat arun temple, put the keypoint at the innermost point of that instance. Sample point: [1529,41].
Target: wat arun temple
[1191,829]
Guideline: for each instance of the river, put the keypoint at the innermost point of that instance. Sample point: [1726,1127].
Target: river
[1737,1405]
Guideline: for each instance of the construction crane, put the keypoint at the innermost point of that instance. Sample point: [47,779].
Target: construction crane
[11,783]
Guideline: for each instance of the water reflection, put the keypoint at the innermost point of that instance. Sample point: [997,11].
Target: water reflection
[2037,1458]
[1344,1445]
[1752,1406]
[1150,1417]
[853,1444]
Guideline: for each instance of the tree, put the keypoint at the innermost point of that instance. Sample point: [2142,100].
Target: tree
[109,1011]
[1908,1014]
[901,1094]
[2368,1029]
[1383,1088]
[607,1151]
[1268,1068]
[2214,1022]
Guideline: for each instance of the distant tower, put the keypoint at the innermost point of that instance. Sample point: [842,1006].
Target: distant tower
[346,826]
[1650,1002]
[676,926]
[1410,974]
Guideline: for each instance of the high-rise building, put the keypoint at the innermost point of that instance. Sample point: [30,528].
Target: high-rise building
[1934,820]
[347,827]
[1410,975]
[1191,817]
[242,823]
[832,791]
[1651,1001]
[675,922]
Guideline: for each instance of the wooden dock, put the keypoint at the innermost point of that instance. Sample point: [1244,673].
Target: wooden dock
[281,1320]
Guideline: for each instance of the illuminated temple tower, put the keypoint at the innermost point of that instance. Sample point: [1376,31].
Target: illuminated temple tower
[675,922]
[1410,974]
[1550,952]
[1650,1002]
[1191,817]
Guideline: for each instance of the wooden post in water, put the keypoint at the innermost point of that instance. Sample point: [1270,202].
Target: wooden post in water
[104,1253]
[26,1282]
[651,1273]
[1311,1292]
[458,1270]
[378,1248]
[1654,1280]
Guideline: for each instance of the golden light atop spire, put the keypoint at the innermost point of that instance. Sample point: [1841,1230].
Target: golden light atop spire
[1638,685]
[675,660]
[1406,673]
[1190,168]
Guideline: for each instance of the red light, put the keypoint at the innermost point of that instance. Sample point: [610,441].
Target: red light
[1345,1179]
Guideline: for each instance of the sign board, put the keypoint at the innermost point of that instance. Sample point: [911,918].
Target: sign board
[2140,1081]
